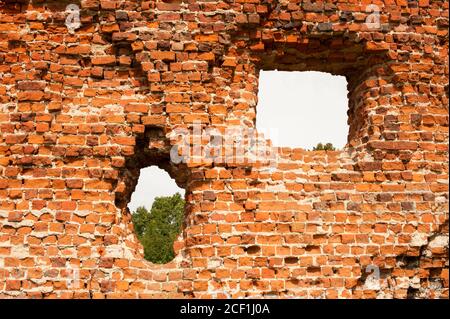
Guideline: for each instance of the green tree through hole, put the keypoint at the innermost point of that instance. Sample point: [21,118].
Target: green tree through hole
[158,228]
[326,147]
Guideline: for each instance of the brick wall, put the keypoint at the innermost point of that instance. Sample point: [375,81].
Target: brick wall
[81,112]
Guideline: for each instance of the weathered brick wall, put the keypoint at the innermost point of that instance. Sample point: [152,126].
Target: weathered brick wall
[82,112]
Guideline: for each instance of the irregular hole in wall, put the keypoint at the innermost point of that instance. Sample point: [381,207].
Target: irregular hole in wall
[157,207]
[303,109]
[152,189]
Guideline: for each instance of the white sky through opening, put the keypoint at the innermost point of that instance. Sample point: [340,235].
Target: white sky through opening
[153,182]
[301,109]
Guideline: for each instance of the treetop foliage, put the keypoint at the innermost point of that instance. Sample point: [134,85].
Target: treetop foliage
[158,228]
[326,147]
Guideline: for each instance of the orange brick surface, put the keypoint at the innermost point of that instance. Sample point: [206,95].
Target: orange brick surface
[82,112]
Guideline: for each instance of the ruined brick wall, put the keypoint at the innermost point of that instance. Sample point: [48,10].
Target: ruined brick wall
[81,112]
